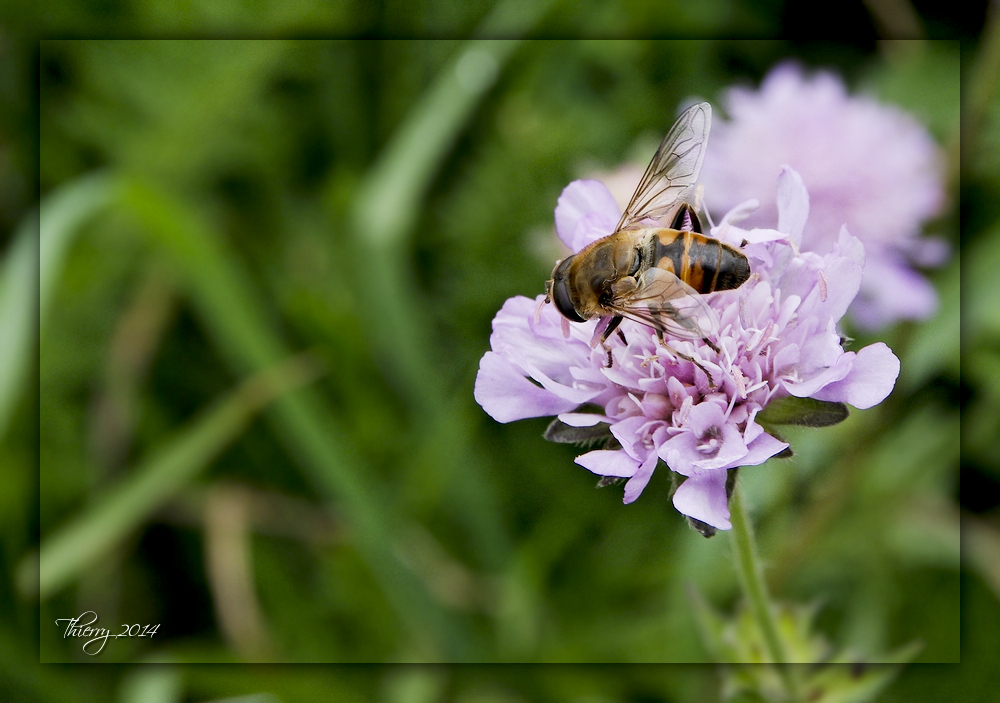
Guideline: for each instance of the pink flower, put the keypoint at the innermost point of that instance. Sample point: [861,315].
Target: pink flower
[777,338]
[868,166]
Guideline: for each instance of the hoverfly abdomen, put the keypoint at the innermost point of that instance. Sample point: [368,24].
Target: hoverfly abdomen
[733,271]
[704,263]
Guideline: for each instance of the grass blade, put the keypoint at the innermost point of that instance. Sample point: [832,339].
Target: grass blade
[65,554]
[18,286]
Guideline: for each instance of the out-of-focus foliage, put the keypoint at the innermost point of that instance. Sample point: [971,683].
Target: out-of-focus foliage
[980,497]
[379,515]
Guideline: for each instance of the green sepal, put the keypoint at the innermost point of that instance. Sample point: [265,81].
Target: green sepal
[561,433]
[703,528]
[808,412]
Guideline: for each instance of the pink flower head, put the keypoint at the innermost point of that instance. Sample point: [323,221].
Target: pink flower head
[868,166]
[777,338]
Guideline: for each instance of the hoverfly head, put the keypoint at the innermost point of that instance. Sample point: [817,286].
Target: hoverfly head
[558,290]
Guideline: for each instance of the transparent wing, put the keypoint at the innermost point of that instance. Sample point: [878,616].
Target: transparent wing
[673,172]
[667,304]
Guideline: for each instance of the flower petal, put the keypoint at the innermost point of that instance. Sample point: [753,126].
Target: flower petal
[892,291]
[838,284]
[680,453]
[638,482]
[506,395]
[591,227]
[872,377]
[811,386]
[579,200]
[703,497]
[761,449]
[627,433]
[607,462]
[850,246]
[581,419]
[793,203]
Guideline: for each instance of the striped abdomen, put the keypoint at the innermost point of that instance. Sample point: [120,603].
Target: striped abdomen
[704,263]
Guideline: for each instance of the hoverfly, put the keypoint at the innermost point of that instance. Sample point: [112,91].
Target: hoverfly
[651,274]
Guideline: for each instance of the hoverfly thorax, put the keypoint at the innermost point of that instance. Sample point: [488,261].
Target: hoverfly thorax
[585,284]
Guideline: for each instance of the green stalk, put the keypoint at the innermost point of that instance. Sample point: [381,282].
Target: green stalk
[755,589]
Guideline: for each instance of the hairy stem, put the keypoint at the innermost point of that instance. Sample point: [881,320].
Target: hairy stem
[755,589]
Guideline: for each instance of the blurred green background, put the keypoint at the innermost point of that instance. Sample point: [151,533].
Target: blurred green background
[211,210]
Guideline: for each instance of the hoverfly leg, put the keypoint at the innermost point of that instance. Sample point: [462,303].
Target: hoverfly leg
[621,336]
[711,381]
[612,326]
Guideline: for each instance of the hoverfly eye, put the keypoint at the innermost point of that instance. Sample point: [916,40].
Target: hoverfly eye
[560,292]
[633,267]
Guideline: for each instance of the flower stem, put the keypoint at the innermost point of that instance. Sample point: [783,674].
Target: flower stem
[755,590]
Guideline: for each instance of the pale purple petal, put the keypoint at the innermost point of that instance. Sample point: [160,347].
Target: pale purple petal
[590,228]
[873,374]
[793,203]
[929,252]
[836,297]
[680,452]
[539,350]
[810,387]
[627,433]
[761,449]
[690,453]
[731,450]
[571,393]
[579,200]
[506,395]
[703,497]
[704,416]
[892,291]
[606,462]
[581,419]
[850,246]
[638,482]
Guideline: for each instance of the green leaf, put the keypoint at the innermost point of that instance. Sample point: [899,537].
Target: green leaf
[561,433]
[843,682]
[703,528]
[610,481]
[711,625]
[803,411]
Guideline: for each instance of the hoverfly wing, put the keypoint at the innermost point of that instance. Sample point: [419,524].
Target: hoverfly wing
[673,172]
[667,304]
